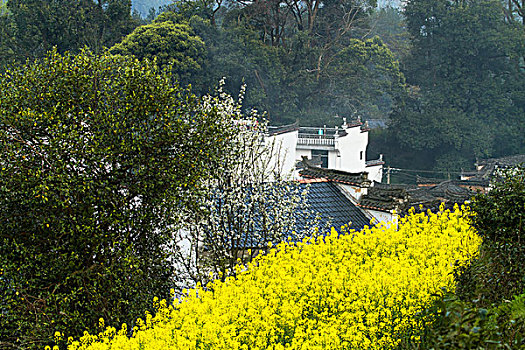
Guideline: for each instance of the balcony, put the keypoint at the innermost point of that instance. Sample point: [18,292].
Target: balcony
[316,140]
[311,141]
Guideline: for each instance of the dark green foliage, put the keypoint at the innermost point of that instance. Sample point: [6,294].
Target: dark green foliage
[499,217]
[310,74]
[170,44]
[464,325]
[238,54]
[68,25]
[500,214]
[7,36]
[300,60]
[388,23]
[468,86]
[98,154]
[497,274]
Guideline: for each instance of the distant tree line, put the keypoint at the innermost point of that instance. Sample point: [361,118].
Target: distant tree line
[147,9]
[448,75]
[302,60]
[465,96]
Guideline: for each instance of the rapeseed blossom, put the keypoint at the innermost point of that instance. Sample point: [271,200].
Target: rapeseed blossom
[360,290]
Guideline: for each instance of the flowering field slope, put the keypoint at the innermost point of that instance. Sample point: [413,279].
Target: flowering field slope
[359,290]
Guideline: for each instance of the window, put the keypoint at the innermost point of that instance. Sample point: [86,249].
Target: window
[323,155]
[361,155]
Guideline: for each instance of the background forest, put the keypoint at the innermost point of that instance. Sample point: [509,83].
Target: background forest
[447,77]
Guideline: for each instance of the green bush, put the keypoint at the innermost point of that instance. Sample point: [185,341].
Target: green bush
[464,325]
[98,154]
[496,275]
[499,216]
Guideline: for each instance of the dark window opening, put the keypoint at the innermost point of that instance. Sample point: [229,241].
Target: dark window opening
[361,155]
[323,155]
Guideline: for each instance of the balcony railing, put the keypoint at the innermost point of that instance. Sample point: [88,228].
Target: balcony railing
[316,140]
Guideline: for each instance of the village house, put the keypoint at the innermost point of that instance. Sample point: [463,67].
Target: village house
[335,159]
[385,202]
[338,148]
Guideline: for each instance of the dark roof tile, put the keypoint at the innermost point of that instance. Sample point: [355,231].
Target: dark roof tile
[311,171]
[385,198]
[402,197]
[282,129]
[327,200]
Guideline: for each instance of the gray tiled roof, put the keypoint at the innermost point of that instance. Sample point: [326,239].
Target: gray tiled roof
[385,198]
[326,201]
[474,181]
[282,129]
[487,169]
[336,176]
[403,197]
[312,172]
[508,161]
[446,191]
[329,202]
[490,165]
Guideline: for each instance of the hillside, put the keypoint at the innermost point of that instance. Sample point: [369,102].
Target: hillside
[143,6]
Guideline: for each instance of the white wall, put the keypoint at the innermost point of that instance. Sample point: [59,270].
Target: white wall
[333,162]
[375,173]
[355,191]
[385,217]
[348,153]
[283,148]
[299,153]
[350,146]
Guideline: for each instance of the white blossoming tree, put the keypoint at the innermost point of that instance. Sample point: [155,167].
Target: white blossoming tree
[248,205]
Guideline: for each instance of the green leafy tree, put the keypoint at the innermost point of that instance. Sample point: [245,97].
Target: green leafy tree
[389,24]
[500,213]
[117,21]
[98,156]
[68,25]
[468,85]
[169,43]
[238,54]
[361,78]
[307,79]
[7,36]
[499,216]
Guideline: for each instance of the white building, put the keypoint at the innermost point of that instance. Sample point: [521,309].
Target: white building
[340,148]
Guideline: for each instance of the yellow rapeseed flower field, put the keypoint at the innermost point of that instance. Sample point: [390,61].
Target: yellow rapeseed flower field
[359,290]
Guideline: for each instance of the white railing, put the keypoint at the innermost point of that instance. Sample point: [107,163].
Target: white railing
[316,140]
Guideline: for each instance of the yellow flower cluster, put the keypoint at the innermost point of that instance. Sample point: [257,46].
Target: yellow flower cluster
[360,290]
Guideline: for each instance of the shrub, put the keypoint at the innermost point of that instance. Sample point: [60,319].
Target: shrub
[488,309]
[499,216]
[465,325]
[98,154]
